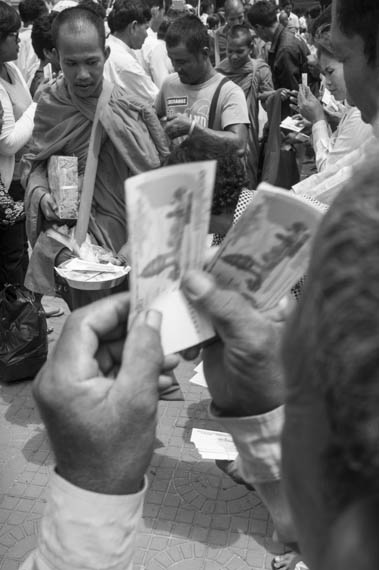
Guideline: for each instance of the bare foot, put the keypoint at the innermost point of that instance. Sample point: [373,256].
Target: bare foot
[286,561]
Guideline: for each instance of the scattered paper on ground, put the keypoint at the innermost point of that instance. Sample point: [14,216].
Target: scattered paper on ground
[214,444]
[199,378]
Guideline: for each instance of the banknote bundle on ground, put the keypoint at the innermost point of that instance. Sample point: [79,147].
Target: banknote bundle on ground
[263,255]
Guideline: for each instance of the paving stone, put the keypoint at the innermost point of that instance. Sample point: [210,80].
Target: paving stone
[195,517]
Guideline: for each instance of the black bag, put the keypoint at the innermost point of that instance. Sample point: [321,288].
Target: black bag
[23,334]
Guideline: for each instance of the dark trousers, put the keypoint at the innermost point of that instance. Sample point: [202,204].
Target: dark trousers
[14,257]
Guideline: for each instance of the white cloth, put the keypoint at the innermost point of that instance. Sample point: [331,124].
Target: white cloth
[84,530]
[350,134]
[326,185]
[122,68]
[14,133]
[27,60]
[258,441]
[155,58]
[293,22]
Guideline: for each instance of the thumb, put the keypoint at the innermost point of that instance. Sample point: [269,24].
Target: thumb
[227,309]
[142,361]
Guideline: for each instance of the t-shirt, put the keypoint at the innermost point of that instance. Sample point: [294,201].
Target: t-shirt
[194,101]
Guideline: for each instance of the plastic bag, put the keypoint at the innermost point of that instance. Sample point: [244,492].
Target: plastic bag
[23,334]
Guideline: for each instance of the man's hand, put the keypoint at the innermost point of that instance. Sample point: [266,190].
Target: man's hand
[49,208]
[178,126]
[309,106]
[242,368]
[98,396]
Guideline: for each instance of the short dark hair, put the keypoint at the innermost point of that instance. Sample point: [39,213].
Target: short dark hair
[262,13]
[9,20]
[124,12]
[95,7]
[190,31]
[74,17]
[230,173]
[41,36]
[361,18]
[240,30]
[30,10]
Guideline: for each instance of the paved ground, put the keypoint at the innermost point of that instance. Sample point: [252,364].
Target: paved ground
[194,518]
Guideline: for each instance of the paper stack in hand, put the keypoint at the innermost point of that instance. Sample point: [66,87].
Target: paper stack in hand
[263,256]
[214,444]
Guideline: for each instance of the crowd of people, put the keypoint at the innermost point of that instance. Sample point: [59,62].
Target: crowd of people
[297,387]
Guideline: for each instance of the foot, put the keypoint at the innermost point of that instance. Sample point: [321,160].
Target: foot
[230,468]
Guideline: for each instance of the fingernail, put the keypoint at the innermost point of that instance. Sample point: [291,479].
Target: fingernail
[197,285]
[153,319]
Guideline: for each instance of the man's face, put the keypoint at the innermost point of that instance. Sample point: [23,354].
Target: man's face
[190,67]
[288,9]
[235,16]
[238,51]
[82,60]
[362,79]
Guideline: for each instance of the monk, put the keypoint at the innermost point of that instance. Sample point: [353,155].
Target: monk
[132,142]
[254,78]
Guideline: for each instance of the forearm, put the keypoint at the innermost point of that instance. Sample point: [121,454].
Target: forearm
[321,143]
[81,529]
[219,138]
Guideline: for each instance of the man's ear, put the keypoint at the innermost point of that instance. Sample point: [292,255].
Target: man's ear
[107,52]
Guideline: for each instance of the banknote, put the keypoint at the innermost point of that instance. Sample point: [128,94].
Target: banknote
[168,213]
[267,251]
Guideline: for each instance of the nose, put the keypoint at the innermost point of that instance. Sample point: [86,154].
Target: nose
[82,73]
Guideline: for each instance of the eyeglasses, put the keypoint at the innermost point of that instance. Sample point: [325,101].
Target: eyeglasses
[14,35]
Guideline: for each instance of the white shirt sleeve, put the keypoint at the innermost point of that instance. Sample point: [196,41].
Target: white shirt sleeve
[321,143]
[258,441]
[15,134]
[85,530]
[159,64]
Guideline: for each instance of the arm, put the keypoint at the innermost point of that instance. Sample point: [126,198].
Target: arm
[265,84]
[136,81]
[321,143]
[99,407]
[15,134]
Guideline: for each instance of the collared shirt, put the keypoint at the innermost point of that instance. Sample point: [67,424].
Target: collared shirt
[155,58]
[122,68]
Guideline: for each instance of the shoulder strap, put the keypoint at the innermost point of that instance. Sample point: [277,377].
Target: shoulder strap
[213,107]
[91,166]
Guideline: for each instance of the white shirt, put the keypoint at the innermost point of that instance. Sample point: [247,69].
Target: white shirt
[81,529]
[15,133]
[122,68]
[27,60]
[155,58]
[293,22]
[350,134]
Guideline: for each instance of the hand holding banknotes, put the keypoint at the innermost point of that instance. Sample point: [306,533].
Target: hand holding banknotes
[242,368]
[178,126]
[98,396]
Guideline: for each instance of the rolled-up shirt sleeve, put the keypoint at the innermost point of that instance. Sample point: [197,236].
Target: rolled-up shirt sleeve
[258,442]
[82,530]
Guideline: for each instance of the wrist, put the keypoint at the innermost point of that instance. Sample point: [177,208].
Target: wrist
[104,485]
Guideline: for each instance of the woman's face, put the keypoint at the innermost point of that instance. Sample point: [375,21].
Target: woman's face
[333,73]
[9,47]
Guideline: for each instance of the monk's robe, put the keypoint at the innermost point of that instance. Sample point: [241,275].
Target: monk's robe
[254,78]
[133,142]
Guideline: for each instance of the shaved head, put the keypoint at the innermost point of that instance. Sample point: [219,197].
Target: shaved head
[234,12]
